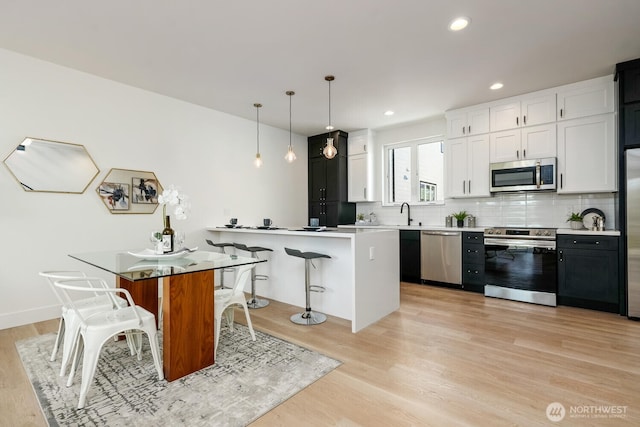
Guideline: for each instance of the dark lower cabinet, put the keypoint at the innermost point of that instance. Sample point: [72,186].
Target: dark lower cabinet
[410,256]
[631,119]
[588,272]
[473,261]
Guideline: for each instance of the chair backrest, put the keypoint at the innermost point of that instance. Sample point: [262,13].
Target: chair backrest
[93,285]
[242,277]
[51,276]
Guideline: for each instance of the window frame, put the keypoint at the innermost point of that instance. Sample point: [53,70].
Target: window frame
[415,178]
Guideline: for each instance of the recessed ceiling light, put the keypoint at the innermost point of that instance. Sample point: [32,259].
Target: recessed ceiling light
[389,113]
[459,23]
[496,86]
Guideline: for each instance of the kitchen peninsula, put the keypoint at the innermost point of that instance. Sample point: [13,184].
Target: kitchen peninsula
[361,279]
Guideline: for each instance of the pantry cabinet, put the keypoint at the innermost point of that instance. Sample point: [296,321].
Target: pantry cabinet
[587,155]
[467,166]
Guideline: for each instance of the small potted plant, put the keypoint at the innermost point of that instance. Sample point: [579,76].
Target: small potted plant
[460,216]
[575,221]
[360,218]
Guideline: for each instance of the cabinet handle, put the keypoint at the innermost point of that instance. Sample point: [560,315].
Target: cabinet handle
[524,154]
[524,119]
[463,188]
[469,251]
[464,130]
[364,192]
[469,129]
[365,148]
[561,259]
[517,123]
[560,180]
[594,242]
[518,154]
[469,186]
[561,113]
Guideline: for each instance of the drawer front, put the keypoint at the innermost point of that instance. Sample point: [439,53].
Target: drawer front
[473,254]
[603,243]
[473,274]
[472,237]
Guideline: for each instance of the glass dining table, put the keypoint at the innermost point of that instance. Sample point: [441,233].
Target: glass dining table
[188,322]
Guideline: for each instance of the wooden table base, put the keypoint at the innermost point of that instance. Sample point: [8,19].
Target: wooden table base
[188,320]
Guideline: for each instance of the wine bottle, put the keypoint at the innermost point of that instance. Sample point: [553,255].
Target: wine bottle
[167,236]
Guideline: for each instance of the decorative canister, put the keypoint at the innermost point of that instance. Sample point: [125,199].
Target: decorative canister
[448,221]
[471,221]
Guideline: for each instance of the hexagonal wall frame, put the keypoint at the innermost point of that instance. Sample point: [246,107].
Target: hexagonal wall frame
[125,191]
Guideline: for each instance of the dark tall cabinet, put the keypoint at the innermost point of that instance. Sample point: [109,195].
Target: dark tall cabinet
[328,193]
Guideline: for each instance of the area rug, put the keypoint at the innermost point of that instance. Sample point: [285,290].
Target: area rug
[249,379]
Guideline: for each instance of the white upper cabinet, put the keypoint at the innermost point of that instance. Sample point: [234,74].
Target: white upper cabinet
[468,121]
[358,142]
[528,110]
[587,155]
[360,166]
[532,142]
[587,98]
[467,167]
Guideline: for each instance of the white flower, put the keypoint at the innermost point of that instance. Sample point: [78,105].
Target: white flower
[172,196]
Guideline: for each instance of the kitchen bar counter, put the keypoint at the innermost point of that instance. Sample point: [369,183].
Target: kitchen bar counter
[410,227]
[362,278]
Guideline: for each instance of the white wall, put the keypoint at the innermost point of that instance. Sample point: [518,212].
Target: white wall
[207,153]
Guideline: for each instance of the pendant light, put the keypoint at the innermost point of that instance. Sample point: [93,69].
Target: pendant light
[329,150]
[258,160]
[290,156]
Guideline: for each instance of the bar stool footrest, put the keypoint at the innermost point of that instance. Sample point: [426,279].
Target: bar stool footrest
[308,318]
[257,303]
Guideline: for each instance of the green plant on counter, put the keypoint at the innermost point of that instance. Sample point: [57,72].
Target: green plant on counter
[360,217]
[575,217]
[460,216]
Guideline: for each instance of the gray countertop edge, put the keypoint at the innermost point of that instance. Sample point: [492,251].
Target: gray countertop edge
[345,233]
[586,232]
[479,229]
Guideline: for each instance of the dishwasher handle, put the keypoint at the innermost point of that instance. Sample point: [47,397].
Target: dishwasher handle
[440,233]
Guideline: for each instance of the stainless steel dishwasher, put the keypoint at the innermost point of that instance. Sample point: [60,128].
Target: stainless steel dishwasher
[441,256]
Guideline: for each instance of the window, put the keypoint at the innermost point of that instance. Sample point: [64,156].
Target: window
[414,171]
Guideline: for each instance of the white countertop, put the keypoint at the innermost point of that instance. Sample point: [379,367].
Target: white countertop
[345,233]
[476,229]
[413,227]
[588,232]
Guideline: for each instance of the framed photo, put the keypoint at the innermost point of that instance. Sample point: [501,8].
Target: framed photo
[115,195]
[144,190]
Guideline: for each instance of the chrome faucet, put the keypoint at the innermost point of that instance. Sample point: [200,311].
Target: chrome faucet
[408,212]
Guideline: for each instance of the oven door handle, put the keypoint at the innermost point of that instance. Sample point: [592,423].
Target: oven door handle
[547,244]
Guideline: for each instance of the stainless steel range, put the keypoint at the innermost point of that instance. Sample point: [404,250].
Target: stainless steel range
[521,265]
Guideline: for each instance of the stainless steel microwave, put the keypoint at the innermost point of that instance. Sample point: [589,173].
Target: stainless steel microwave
[523,175]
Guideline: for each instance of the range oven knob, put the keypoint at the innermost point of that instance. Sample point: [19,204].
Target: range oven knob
[489,231]
[538,233]
[498,232]
[547,233]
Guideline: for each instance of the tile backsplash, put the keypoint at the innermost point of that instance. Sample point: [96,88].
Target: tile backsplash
[506,209]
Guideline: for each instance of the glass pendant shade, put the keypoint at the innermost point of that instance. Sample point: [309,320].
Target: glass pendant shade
[330,150]
[258,161]
[290,156]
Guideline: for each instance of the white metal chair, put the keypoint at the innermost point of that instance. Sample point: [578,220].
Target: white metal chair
[97,328]
[69,323]
[224,299]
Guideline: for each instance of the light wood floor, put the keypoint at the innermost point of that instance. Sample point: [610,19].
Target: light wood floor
[446,358]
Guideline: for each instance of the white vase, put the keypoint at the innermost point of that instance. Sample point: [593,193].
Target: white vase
[576,225]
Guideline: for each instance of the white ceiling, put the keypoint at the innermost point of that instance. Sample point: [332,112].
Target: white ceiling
[385,54]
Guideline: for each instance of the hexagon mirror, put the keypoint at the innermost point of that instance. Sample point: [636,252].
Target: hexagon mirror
[51,166]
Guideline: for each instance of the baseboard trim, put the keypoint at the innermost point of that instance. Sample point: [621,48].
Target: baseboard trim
[26,317]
